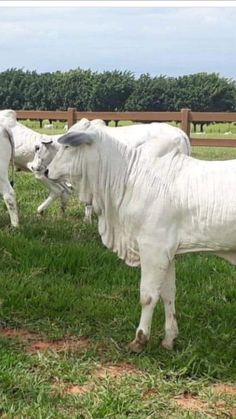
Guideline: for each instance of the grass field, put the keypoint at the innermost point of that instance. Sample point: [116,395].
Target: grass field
[69,308]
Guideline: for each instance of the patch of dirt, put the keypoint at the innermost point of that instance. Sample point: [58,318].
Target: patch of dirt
[115,371]
[18,333]
[150,392]
[80,389]
[62,388]
[220,404]
[225,389]
[233,412]
[68,344]
[34,342]
[190,402]
[102,372]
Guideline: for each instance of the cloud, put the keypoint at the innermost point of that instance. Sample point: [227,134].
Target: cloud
[170,41]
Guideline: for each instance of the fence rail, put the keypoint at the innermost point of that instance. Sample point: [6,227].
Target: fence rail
[185,117]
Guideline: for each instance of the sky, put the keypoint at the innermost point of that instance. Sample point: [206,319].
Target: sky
[169,41]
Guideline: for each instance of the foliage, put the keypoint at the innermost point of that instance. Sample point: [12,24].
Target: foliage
[115,91]
[111,90]
[151,94]
[205,92]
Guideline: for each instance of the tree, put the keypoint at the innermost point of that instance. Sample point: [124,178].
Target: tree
[151,94]
[111,90]
[205,92]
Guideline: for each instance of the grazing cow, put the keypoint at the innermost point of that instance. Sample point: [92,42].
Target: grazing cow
[45,151]
[7,155]
[148,213]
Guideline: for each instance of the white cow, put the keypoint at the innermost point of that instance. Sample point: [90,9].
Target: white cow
[164,136]
[26,140]
[148,213]
[155,139]
[48,126]
[7,155]
[44,151]
[27,144]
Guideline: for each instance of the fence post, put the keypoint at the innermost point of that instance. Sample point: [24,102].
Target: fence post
[71,116]
[185,121]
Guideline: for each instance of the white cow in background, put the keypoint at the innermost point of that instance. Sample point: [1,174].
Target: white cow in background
[48,126]
[26,140]
[44,151]
[7,156]
[148,213]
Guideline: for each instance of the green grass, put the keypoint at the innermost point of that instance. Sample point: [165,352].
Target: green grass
[57,279]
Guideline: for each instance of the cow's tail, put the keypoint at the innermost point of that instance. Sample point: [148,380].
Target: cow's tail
[11,140]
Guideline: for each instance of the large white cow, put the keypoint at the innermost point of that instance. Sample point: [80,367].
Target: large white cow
[155,139]
[165,137]
[7,155]
[148,213]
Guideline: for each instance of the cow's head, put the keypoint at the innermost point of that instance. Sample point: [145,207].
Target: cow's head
[44,153]
[67,160]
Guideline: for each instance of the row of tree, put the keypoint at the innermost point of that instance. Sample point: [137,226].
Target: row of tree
[115,91]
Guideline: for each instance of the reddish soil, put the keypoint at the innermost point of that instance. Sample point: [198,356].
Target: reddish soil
[80,389]
[34,342]
[190,402]
[115,371]
[225,389]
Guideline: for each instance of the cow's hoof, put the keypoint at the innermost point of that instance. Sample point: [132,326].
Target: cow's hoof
[167,344]
[87,220]
[139,343]
[136,347]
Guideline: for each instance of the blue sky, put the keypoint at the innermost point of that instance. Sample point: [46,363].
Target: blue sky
[170,41]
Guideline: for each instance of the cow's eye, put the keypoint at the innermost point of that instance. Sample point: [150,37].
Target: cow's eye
[36,148]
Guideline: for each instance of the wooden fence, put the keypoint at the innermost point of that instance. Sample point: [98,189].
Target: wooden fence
[185,117]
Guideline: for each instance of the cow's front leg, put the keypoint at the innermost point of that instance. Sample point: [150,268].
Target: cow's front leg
[154,267]
[168,298]
[50,199]
[10,201]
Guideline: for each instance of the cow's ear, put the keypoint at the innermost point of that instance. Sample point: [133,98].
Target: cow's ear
[75,139]
[46,141]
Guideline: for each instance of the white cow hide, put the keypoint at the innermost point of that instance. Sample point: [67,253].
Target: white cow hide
[148,213]
[7,155]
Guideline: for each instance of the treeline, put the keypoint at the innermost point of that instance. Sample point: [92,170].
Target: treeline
[115,91]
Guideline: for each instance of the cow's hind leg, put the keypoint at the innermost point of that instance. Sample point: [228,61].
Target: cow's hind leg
[168,298]
[154,268]
[10,201]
